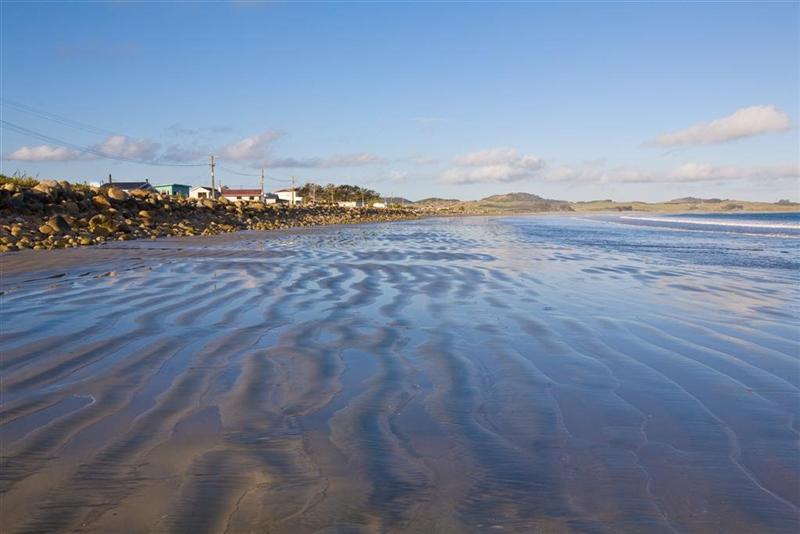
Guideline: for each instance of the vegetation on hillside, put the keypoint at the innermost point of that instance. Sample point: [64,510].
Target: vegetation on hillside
[337,193]
[22,181]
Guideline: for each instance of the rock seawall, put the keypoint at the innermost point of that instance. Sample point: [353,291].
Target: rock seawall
[59,214]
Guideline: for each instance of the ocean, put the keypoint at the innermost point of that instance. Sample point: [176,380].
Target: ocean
[516,374]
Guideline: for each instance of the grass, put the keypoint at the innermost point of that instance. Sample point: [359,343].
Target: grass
[23,181]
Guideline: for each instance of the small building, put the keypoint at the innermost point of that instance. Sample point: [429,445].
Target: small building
[129,186]
[201,191]
[242,194]
[270,198]
[289,195]
[378,204]
[347,204]
[174,190]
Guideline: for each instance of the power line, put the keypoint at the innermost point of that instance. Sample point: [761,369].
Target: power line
[237,172]
[55,117]
[251,175]
[89,150]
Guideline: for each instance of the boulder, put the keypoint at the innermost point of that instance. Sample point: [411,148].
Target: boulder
[59,224]
[101,202]
[139,193]
[116,193]
[48,188]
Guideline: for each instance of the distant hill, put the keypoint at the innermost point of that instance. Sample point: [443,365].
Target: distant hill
[397,200]
[521,202]
[695,200]
[436,200]
[513,197]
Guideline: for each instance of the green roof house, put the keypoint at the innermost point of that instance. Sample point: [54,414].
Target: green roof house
[176,190]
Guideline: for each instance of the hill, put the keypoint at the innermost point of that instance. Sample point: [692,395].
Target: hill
[695,200]
[437,200]
[521,203]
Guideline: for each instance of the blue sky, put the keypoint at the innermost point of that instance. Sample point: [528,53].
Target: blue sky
[577,101]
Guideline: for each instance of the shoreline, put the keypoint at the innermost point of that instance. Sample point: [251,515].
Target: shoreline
[54,215]
[475,364]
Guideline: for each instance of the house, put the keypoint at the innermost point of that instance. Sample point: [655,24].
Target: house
[241,194]
[347,204]
[201,191]
[270,198]
[378,204]
[129,186]
[174,190]
[289,195]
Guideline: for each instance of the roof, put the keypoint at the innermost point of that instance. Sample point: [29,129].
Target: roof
[241,192]
[172,185]
[129,185]
[201,187]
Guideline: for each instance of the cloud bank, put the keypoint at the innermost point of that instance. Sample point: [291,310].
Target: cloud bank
[745,122]
[494,165]
[255,147]
[683,174]
[359,159]
[45,153]
[114,146]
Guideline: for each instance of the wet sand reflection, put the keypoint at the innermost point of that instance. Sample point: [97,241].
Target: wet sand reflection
[455,375]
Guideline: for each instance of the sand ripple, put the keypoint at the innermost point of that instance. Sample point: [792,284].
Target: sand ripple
[456,375]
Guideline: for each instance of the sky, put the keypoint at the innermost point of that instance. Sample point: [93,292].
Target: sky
[573,100]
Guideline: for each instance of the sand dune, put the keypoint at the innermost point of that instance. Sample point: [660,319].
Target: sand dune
[431,376]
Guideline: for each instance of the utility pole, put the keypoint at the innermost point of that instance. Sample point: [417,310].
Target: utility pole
[213,191]
[262,183]
[292,191]
[109,178]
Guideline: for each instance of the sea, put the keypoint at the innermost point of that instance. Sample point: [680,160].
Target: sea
[564,373]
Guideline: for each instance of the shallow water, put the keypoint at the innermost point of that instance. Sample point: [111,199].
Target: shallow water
[450,375]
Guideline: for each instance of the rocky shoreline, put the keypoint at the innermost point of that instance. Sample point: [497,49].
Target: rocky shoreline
[54,214]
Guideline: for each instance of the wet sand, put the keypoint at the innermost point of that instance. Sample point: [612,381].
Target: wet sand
[449,375]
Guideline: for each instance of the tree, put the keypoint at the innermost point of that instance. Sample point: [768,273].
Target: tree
[338,193]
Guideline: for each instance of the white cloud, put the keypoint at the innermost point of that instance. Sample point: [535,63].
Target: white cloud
[496,165]
[114,146]
[686,173]
[744,122]
[360,159]
[46,153]
[121,146]
[352,160]
[694,172]
[398,176]
[250,148]
[422,160]
[184,154]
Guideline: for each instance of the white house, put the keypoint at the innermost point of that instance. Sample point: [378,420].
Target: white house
[242,194]
[201,191]
[289,195]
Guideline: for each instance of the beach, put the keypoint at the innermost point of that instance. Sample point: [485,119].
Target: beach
[556,373]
